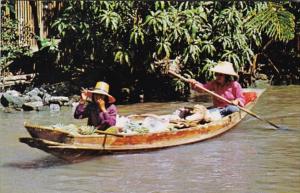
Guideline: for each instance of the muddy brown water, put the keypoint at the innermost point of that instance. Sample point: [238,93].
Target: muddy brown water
[252,157]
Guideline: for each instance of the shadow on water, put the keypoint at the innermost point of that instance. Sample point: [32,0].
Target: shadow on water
[275,119]
[47,162]
[281,128]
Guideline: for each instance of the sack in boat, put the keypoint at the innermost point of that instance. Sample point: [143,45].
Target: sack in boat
[121,121]
[199,113]
[155,124]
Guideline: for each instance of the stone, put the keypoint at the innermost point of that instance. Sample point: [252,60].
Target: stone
[35,98]
[30,106]
[59,100]
[46,98]
[54,107]
[34,92]
[8,100]
[13,93]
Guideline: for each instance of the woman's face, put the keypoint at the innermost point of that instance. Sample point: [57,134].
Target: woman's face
[96,97]
[220,78]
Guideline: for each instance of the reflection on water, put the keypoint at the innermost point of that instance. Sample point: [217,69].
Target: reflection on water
[250,158]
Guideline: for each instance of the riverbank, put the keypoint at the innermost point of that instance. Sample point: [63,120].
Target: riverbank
[37,99]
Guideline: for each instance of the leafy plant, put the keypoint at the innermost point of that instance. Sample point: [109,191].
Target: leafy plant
[50,44]
[275,21]
[119,41]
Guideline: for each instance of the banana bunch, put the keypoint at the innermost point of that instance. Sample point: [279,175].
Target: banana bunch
[86,130]
[71,128]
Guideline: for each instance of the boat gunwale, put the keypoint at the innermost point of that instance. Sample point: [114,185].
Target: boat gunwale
[97,135]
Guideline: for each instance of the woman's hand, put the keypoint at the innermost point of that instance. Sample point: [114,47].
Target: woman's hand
[101,104]
[84,96]
[193,83]
[236,102]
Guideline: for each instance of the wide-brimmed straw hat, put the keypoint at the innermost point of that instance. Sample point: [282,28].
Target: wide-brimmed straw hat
[224,67]
[103,88]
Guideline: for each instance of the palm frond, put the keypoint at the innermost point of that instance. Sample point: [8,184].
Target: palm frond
[275,21]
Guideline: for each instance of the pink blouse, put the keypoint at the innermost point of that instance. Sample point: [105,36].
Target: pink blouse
[230,91]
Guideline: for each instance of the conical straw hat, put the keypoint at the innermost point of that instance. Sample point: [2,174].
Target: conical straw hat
[224,67]
[103,88]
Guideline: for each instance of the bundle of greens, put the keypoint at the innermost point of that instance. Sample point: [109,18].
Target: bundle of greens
[75,130]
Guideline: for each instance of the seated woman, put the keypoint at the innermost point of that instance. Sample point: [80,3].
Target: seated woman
[225,86]
[101,112]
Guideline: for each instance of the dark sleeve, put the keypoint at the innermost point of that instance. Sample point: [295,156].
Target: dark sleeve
[81,111]
[109,117]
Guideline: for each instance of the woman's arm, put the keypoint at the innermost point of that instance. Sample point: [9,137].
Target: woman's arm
[240,99]
[81,111]
[195,85]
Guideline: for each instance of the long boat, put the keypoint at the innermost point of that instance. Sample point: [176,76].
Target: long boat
[74,147]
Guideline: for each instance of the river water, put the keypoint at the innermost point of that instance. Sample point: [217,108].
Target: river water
[252,157]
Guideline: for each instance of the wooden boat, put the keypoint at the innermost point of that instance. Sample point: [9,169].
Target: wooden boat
[80,147]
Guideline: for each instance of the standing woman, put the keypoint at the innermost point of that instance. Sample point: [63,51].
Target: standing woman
[225,86]
[101,112]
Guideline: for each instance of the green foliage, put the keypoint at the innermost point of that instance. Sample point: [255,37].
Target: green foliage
[50,44]
[233,44]
[120,40]
[122,57]
[137,35]
[110,19]
[208,64]
[275,21]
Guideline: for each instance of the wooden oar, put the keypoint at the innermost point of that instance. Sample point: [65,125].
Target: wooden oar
[224,99]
